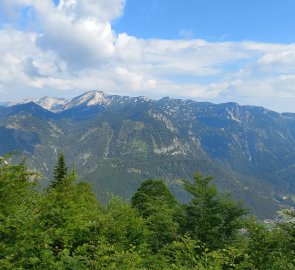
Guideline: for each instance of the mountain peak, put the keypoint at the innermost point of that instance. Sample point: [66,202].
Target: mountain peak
[53,104]
[90,98]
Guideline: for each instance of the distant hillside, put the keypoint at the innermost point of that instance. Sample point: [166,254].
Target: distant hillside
[116,142]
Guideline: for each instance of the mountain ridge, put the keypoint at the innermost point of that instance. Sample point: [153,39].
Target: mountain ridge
[99,97]
[118,141]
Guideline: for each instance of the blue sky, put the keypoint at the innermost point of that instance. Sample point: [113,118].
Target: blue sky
[213,20]
[206,50]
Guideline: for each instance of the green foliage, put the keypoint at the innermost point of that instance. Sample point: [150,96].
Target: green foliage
[163,226]
[159,207]
[209,217]
[18,204]
[289,228]
[122,226]
[183,254]
[65,227]
[268,249]
[16,184]
[60,171]
[151,193]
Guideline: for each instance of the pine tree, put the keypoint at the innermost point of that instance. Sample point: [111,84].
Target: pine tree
[60,171]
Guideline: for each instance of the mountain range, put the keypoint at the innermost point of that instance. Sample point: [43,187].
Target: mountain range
[116,142]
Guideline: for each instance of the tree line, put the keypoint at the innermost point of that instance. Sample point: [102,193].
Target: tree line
[64,226]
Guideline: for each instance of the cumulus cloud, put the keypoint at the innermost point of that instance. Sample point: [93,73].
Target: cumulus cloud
[72,47]
[79,32]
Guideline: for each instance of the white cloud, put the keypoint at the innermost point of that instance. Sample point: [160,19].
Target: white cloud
[102,10]
[77,31]
[72,47]
[129,49]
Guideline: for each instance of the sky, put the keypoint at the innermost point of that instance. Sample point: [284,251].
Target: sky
[205,50]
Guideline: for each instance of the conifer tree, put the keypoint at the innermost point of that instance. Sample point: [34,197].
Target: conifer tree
[210,217]
[60,171]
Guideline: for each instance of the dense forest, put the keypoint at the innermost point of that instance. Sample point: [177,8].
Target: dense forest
[64,226]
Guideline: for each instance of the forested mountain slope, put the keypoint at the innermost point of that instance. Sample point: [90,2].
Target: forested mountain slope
[116,142]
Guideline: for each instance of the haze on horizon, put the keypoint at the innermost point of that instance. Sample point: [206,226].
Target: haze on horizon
[218,51]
